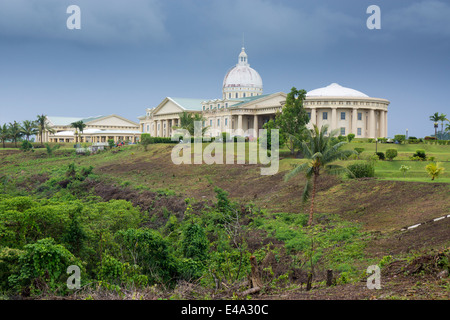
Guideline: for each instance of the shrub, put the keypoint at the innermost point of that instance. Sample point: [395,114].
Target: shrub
[43,264]
[194,243]
[434,170]
[361,170]
[400,138]
[391,153]
[380,155]
[149,250]
[404,169]
[146,139]
[359,151]
[350,137]
[26,146]
[421,154]
[111,143]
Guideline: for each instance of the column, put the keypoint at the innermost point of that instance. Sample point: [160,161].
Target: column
[382,125]
[333,122]
[255,125]
[239,127]
[313,116]
[160,131]
[385,124]
[355,122]
[372,123]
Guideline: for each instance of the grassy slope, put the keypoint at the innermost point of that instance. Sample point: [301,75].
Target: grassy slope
[383,206]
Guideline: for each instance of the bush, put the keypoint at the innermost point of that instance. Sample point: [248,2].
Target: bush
[359,150]
[400,138]
[350,137]
[420,154]
[194,243]
[43,264]
[361,170]
[380,155]
[391,153]
[26,146]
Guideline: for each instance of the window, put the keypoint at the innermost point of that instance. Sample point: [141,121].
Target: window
[148,128]
[210,123]
[359,131]
[342,115]
[309,115]
[218,122]
[243,95]
[342,131]
[236,94]
[218,106]
[204,108]
[325,116]
[359,116]
[226,105]
[229,96]
[226,122]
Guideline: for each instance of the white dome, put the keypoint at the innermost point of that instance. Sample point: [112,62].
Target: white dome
[335,90]
[242,76]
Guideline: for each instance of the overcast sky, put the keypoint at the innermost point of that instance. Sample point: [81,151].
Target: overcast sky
[130,55]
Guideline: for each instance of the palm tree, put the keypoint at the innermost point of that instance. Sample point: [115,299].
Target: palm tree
[442,118]
[79,128]
[435,118]
[321,154]
[434,170]
[14,132]
[29,128]
[42,126]
[4,134]
[187,122]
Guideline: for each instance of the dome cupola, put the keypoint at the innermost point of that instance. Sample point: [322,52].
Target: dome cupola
[242,81]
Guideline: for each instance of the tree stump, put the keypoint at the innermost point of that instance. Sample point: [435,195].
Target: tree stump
[329,278]
[255,278]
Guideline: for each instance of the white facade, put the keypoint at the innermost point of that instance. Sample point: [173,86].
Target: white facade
[244,107]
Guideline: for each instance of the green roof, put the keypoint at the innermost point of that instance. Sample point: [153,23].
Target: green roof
[248,99]
[188,103]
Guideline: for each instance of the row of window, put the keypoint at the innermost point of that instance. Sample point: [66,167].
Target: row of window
[358,131]
[349,103]
[218,122]
[343,115]
[218,107]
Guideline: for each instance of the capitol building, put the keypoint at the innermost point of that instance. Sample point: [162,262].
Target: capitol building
[244,108]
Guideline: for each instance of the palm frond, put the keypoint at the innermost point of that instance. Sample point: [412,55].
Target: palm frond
[296,170]
[307,190]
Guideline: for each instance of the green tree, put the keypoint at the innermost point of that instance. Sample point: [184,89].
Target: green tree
[321,154]
[14,132]
[442,118]
[434,170]
[435,118]
[28,128]
[4,134]
[146,139]
[42,126]
[292,119]
[391,153]
[187,122]
[79,128]
[350,137]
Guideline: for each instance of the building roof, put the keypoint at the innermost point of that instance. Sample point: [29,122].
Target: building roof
[335,90]
[242,76]
[65,121]
[188,103]
[69,133]
[248,99]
